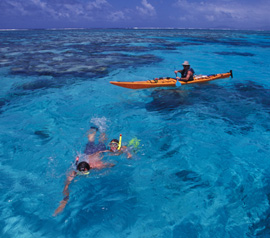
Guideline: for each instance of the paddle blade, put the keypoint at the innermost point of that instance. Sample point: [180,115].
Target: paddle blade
[178,84]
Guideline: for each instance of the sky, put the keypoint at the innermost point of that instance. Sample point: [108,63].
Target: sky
[225,14]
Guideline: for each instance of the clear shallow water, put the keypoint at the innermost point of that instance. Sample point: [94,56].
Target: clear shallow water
[203,165]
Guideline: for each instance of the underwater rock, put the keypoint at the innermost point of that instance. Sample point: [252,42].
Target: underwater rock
[42,134]
[2,102]
[165,100]
[186,175]
[192,180]
[234,53]
[188,229]
[233,105]
[257,93]
[38,84]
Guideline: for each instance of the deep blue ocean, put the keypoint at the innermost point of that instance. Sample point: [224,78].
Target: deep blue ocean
[201,168]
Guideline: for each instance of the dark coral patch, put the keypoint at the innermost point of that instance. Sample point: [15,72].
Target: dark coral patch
[234,53]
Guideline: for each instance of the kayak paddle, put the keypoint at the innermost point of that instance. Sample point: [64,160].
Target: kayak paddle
[178,84]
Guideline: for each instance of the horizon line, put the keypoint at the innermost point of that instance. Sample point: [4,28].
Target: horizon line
[133,28]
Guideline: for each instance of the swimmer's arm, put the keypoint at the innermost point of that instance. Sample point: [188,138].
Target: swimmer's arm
[97,154]
[108,165]
[62,205]
[100,152]
[129,155]
[103,151]
[125,150]
[64,202]
[68,181]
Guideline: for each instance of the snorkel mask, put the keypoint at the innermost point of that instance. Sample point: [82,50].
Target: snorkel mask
[83,168]
[115,144]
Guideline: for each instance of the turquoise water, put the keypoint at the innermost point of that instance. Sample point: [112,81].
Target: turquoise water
[202,169]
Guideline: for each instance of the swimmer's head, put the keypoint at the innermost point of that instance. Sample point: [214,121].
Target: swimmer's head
[114,145]
[83,167]
[115,141]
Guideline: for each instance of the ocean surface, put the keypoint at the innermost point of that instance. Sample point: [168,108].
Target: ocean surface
[200,167]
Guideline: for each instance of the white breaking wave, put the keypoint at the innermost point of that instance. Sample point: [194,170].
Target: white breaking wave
[100,123]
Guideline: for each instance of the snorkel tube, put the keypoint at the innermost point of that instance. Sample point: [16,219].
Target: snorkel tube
[120,142]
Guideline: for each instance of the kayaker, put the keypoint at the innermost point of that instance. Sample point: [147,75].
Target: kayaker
[186,73]
[83,168]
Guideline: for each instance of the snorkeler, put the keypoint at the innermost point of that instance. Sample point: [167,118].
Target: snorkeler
[92,161]
[116,148]
[83,168]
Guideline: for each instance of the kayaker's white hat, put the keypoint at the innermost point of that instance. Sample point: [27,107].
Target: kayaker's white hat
[186,63]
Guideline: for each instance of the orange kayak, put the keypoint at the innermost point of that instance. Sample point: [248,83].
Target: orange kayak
[169,82]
